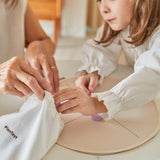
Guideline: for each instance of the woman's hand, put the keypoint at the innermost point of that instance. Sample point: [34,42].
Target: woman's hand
[17,78]
[39,55]
[88,82]
[75,100]
[40,50]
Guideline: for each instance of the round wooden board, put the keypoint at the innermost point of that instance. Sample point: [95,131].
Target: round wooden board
[127,130]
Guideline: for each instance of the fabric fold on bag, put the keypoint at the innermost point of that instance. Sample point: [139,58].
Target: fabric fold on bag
[31,132]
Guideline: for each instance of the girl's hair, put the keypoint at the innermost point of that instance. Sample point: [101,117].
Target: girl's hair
[146,17]
[10,3]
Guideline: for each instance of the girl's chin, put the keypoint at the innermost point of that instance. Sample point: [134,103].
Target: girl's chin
[117,28]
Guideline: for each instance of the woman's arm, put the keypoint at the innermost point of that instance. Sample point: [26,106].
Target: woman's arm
[33,29]
[40,50]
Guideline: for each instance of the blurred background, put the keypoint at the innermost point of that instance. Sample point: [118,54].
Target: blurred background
[75,17]
[69,23]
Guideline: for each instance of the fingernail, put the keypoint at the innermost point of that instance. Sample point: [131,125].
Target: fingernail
[58,105]
[91,89]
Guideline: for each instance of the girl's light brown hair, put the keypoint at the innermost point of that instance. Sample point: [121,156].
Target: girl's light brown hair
[146,17]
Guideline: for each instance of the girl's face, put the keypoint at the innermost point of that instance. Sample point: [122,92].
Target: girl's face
[117,13]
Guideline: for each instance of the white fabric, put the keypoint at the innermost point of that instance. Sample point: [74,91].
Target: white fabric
[12,30]
[137,89]
[30,133]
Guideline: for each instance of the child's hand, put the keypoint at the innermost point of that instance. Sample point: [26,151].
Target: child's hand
[75,100]
[88,82]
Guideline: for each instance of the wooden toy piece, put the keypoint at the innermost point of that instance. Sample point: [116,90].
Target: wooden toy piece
[96,117]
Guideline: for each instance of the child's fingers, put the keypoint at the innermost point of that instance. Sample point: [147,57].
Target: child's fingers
[67,105]
[93,83]
[65,95]
[70,110]
[85,90]
[83,84]
[63,91]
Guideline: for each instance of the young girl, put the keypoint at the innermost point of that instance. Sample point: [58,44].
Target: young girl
[131,25]
[18,25]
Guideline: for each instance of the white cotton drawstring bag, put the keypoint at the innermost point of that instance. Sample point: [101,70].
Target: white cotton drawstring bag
[31,132]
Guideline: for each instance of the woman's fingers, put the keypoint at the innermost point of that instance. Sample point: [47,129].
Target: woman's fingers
[18,78]
[21,87]
[56,79]
[32,83]
[10,90]
[39,55]
[38,68]
[51,75]
[32,76]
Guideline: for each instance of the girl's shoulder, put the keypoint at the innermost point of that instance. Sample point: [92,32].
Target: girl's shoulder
[155,37]
[156,33]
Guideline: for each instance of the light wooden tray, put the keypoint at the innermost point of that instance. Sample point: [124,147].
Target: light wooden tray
[127,130]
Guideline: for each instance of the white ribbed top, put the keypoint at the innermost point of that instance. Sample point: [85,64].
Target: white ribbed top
[12,30]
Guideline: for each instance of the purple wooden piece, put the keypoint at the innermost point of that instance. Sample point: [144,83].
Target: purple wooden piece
[96,117]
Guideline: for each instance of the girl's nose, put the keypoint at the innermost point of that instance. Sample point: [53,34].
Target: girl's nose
[105,7]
